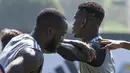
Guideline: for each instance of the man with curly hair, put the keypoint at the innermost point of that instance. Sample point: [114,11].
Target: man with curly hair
[88,19]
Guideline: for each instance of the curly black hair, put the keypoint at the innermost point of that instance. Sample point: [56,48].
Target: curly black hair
[93,7]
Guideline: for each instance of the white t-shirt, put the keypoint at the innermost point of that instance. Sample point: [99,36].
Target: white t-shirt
[14,46]
[108,65]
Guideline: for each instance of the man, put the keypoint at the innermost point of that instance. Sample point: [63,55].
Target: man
[51,25]
[115,44]
[88,19]
[24,53]
[7,34]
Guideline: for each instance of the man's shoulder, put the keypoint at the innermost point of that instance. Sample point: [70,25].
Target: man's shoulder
[23,39]
[28,59]
[31,56]
[31,52]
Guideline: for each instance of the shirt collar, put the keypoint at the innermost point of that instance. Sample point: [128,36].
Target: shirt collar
[96,39]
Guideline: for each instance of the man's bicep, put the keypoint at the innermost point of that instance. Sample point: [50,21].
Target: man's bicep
[72,53]
[66,51]
[30,60]
[16,66]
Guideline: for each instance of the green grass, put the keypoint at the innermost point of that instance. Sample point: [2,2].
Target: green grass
[114,27]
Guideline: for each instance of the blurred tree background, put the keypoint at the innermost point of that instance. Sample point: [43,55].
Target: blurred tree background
[21,14]
[115,14]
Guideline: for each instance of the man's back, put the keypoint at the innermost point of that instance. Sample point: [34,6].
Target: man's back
[22,44]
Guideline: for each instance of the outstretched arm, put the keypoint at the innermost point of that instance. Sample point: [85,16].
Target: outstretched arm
[126,45]
[115,44]
[72,53]
[75,50]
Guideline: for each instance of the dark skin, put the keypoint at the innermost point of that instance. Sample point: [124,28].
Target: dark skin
[115,44]
[46,39]
[76,51]
[30,60]
[86,27]
[68,53]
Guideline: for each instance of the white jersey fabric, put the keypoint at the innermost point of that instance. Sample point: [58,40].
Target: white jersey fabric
[14,46]
[108,65]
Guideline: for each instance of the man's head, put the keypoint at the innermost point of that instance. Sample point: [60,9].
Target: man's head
[51,26]
[87,19]
[7,34]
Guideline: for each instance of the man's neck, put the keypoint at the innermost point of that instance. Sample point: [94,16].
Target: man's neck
[38,41]
[87,39]
[34,35]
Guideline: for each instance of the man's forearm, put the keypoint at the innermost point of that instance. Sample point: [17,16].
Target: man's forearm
[71,53]
[126,45]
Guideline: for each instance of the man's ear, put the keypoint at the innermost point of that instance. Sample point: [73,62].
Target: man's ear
[50,31]
[84,22]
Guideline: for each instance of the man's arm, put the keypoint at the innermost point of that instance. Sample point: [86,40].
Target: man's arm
[77,51]
[126,45]
[71,53]
[115,44]
[26,61]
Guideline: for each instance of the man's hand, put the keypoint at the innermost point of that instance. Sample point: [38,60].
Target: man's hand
[111,44]
[84,48]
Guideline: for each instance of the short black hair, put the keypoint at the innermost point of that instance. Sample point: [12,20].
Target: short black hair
[93,7]
[49,17]
[7,34]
